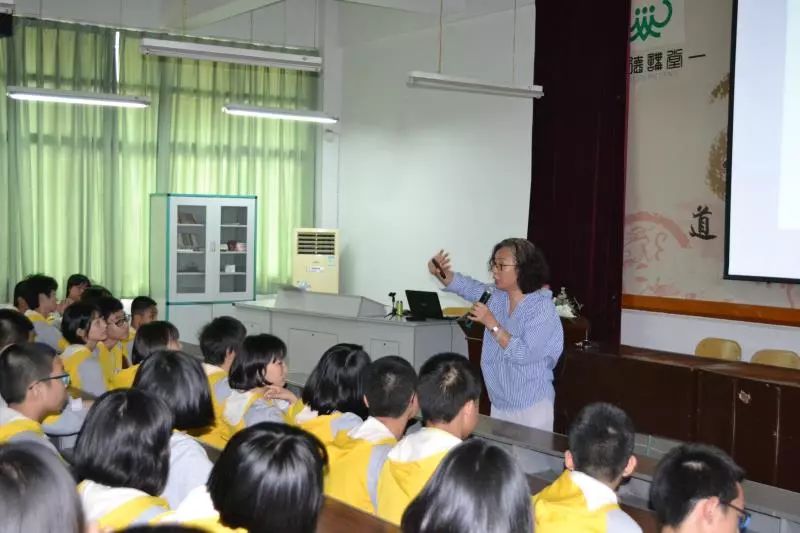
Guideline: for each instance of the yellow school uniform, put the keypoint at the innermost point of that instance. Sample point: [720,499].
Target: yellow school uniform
[325,427]
[355,460]
[246,408]
[219,433]
[577,502]
[124,378]
[117,507]
[46,332]
[290,416]
[408,468]
[197,511]
[16,427]
[127,345]
[110,362]
[84,368]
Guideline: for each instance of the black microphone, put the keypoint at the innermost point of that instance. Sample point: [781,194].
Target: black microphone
[484,298]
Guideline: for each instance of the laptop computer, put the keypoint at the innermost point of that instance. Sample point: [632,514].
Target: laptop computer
[424,304]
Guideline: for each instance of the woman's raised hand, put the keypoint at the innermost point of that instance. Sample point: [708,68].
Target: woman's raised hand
[439,266]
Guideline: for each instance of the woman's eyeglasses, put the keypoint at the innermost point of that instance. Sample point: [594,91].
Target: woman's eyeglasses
[744,516]
[500,266]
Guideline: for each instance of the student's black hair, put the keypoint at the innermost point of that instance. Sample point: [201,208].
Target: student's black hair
[94,293]
[389,385]
[125,441]
[179,380]
[688,473]
[447,381]
[532,269]
[452,500]
[77,279]
[21,365]
[14,327]
[78,316]
[601,440]
[109,305]
[35,285]
[269,479]
[337,382]
[151,338]
[163,528]
[37,492]
[19,293]
[248,370]
[140,304]
[220,335]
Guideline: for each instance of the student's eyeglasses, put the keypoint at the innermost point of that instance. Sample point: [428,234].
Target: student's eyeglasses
[120,323]
[65,379]
[744,516]
[500,266]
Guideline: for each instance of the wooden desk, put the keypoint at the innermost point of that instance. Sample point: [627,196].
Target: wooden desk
[338,517]
[748,410]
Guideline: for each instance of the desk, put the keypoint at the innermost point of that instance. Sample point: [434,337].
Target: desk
[337,517]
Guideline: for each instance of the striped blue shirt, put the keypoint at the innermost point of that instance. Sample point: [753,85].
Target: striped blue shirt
[521,374]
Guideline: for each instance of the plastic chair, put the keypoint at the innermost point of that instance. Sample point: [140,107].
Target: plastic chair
[715,348]
[782,358]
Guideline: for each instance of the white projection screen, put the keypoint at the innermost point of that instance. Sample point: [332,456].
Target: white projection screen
[763,207]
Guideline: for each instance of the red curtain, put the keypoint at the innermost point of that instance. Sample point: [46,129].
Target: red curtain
[579,141]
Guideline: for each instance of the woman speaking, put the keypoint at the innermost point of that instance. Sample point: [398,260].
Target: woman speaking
[523,338]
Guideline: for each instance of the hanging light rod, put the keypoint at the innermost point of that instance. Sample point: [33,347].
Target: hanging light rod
[432,80]
[34,94]
[230,54]
[298,115]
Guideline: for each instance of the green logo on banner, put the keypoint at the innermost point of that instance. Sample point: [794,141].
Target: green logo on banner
[645,24]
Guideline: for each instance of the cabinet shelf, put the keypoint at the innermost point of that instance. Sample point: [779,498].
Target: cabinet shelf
[191,273]
[232,253]
[190,252]
[191,225]
[232,226]
[233,273]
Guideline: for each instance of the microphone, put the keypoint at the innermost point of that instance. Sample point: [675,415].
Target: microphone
[484,298]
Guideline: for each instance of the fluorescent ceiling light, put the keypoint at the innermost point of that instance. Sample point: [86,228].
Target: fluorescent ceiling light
[431,80]
[280,114]
[34,94]
[230,54]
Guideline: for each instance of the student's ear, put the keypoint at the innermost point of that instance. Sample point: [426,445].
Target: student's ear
[630,467]
[230,355]
[569,461]
[82,333]
[706,509]
[366,402]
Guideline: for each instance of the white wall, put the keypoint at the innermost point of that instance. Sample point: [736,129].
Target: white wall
[681,334]
[422,169]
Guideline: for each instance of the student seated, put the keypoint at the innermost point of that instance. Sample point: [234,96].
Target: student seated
[698,488]
[33,382]
[476,487]
[143,311]
[122,459]
[94,293]
[357,456]
[448,391]
[258,367]
[150,338]
[15,328]
[40,296]
[76,284]
[19,297]
[268,479]
[600,456]
[333,397]
[178,379]
[85,329]
[112,355]
[37,492]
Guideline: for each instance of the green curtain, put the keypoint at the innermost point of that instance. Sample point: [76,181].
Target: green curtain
[79,177]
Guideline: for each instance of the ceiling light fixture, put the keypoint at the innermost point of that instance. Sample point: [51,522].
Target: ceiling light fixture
[298,115]
[34,94]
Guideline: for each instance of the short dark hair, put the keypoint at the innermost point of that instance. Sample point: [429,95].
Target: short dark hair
[151,338]
[94,293]
[688,473]
[179,380]
[37,493]
[35,285]
[269,479]
[22,365]
[109,305]
[532,269]
[77,279]
[163,528]
[125,441]
[140,304]
[19,292]
[78,316]
[389,385]
[453,501]
[447,381]
[220,335]
[337,382]
[257,351]
[14,327]
[601,441]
